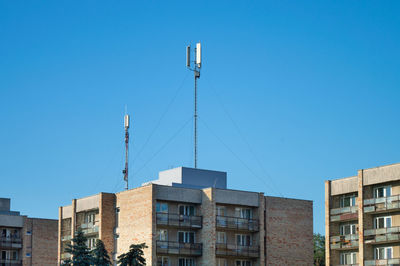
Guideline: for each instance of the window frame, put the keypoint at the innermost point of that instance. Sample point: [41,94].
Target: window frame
[385,249]
[353,258]
[159,208]
[385,221]
[186,236]
[385,188]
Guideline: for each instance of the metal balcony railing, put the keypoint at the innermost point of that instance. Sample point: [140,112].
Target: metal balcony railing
[382,262]
[223,249]
[344,241]
[10,242]
[237,223]
[178,248]
[382,204]
[11,262]
[382,235]
[89,228]
[178,220]
[345,213]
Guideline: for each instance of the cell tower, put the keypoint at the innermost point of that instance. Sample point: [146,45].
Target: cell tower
[125,171]
[194,66]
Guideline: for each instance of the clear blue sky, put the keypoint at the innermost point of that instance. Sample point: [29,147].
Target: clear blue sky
[291,94]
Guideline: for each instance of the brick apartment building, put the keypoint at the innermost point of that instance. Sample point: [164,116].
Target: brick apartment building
[188,217]
[26,241]
[362,218]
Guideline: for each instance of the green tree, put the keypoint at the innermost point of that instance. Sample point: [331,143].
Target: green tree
[81,255]
[319,250]
[134,257]
[100,255]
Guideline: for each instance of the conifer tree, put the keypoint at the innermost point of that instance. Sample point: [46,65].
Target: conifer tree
[100,255]
[81,255]
[134,257]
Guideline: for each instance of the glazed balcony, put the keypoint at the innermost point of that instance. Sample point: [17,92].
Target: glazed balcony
[344,242]
[11,262]
[382,235]
[178,220]
[344,214]
[228,250]
[237,223]
[382,262]
[385,204]
[178,248]
[89,228]
[10,242]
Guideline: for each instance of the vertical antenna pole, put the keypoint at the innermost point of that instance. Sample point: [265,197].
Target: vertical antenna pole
[125,171]
[195,117]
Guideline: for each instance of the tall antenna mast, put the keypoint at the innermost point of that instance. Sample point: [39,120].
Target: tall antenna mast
[125,171]
[196,70]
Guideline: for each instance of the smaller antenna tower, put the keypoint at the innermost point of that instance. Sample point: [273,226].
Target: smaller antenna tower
[194,66]
[125,171]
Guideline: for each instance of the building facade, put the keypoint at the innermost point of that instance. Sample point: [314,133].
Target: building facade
[362,218]
[186,222]
[26,241]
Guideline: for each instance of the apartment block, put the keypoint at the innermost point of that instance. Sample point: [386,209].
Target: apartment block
[26,241]
[362,218]
[188,217]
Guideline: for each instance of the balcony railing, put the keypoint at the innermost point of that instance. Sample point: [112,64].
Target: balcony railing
[344,242]
[10,242]
[11,262]
[89,228]
[237,251]
[66,238]
[237,223]
[382,262]
[382,235]
[177,248]
[345,213]
[178,220]
[382,204]
[65,256]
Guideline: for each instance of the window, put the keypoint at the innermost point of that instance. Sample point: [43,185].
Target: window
[187,210]
[28,254]
[28,233]
[221,237]
[347,201]
[383,253]
[348,258]
[5,255]
[162,235]
[382,192]
[244,213]
[90,217]
[243,263]
[221,210]
[186,262]
[162,207]
[221,262]
[14,255]
[163,261]
[186,237]
[348,229]
[383,222]
[243,240]
[91,243]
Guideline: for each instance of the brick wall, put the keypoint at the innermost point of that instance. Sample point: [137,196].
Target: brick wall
[107,221]
[136,221]
[289,231]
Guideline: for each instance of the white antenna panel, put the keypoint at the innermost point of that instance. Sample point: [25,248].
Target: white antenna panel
[126,121]
[198,54]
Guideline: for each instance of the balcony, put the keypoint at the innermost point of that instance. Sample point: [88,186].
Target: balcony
[237,251]
[382,204]
[178,220]
[66,238]
[11,262]
[177,248]
[65,256]
[11,242]
[382,235]
[344,214]
[382,262]
[344,242]
[89,228]
[237,223]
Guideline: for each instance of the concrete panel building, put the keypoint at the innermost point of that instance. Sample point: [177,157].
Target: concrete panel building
[188,217]
[26,241]
[362,218]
